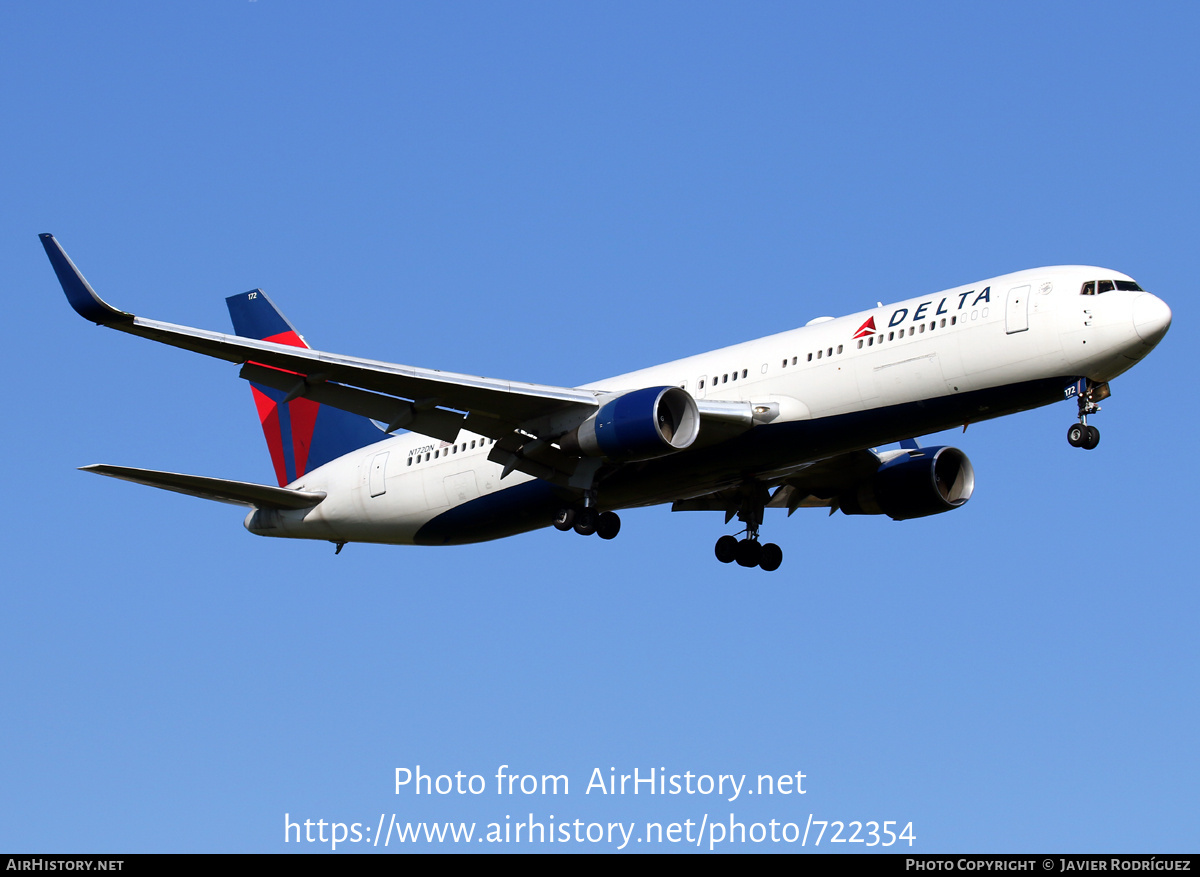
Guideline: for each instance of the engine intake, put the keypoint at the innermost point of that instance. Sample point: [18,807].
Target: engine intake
[638,425]
[936,480]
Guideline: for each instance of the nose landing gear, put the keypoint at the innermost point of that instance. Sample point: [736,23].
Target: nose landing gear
[1088,394]
[1080,435]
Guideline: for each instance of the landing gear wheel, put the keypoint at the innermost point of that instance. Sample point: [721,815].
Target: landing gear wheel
[1091,438]
[564,519]
[585,522]
[748,552]
[770,556]
[727,547]
[608,525]
[1076,434]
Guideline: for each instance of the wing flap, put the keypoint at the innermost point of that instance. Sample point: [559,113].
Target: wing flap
[219,489]
[814,485]
[396,413]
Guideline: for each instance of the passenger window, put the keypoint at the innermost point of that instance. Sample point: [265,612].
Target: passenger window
[839,348]
[794,360]
[819,354]
[745,372]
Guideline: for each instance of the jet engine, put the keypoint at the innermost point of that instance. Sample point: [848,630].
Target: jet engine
[638,425]
[913,485]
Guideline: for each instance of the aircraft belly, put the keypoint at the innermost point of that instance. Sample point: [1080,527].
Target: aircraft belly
[518,509]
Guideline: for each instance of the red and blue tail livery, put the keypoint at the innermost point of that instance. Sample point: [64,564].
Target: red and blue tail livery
[301,434]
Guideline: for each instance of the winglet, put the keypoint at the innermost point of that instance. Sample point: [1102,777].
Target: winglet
[79,292]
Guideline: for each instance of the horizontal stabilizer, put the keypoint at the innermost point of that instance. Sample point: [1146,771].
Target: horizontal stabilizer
[236,492]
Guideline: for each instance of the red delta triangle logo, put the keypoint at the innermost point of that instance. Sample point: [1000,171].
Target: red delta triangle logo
[867,328]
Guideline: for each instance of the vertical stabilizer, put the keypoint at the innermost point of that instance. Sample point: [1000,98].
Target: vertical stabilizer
[301,434]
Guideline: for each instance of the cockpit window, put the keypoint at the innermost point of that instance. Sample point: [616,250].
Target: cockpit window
[1098,287]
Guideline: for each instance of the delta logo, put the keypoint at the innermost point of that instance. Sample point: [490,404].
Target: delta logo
[867,328]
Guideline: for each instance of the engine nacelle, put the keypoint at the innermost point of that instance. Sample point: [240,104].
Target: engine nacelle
[938,480]
[638,425]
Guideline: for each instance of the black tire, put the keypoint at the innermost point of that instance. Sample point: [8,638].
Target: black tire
[585,522]
[608,525]
[1091,439]
[564,519]
[1076,434]
[727,549]
[770,557]
[748,552]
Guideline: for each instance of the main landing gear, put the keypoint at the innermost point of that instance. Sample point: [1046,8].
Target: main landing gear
[1081,435]
[587,520]
[748,551]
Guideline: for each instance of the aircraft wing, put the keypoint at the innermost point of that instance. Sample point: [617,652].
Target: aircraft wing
[423,400]
[235,492]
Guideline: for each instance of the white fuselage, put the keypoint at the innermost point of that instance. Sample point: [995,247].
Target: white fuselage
[1007,332]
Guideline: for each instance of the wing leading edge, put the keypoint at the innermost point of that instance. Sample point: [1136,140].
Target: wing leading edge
[524,420]
[428,401]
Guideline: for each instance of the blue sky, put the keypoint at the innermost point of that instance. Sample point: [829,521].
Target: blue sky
[555,193]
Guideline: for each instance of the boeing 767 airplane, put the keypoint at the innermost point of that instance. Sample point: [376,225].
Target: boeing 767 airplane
[791,421]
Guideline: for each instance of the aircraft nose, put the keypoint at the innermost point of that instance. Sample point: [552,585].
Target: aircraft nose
[1151,318]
